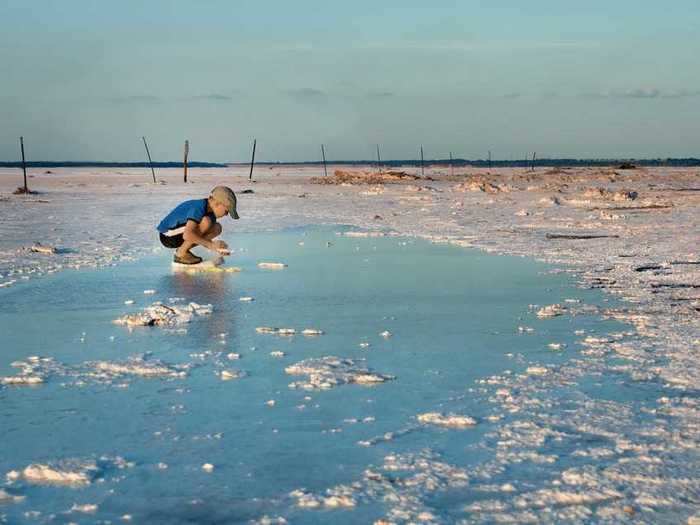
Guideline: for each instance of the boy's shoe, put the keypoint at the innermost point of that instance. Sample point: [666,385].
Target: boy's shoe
[188,258]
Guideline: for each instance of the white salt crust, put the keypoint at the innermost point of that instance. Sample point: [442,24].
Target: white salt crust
[104,372]
[159,314]
[329,372]
[446,420]
[272,265]
[72,473]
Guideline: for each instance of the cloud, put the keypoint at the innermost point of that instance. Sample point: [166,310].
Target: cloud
[216,97]
[145,99]
[471,44]
[644,93]
[307,95]
[380,94]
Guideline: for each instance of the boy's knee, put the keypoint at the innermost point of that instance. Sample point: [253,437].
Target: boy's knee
[217,229]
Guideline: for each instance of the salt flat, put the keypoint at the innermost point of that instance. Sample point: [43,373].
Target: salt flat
[635,234]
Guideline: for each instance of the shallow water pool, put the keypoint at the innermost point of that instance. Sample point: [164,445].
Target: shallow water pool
[140,441]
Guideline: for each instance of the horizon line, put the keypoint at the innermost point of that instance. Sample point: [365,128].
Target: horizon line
[544,161]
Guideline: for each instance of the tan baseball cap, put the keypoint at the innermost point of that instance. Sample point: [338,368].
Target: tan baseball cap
[225,196]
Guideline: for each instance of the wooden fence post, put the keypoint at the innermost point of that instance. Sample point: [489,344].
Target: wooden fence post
[187,153]
[323,155]
[24,164]
[422,162]
[252,160]
[150,162]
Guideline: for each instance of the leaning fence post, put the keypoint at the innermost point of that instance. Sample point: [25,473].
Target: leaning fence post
[24,164]
[150,162]
[323,154]
[252,160]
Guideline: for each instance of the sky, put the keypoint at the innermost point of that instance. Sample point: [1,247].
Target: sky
[85,80]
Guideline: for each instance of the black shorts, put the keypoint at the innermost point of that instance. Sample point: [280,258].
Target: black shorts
[174,241]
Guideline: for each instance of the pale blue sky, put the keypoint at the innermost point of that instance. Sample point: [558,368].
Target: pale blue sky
[84,80]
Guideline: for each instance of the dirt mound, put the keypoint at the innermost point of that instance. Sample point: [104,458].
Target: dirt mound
[365,177]
[608,195]
[23,191]
[480,183]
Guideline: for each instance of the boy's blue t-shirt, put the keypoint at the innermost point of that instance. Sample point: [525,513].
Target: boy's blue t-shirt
[194,210]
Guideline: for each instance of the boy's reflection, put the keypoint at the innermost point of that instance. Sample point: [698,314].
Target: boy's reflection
[210,288]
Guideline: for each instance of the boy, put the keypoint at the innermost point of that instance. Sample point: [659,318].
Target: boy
[193,223]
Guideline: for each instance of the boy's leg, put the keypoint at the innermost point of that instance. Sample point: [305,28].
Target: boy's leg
[213,232]
[207,229]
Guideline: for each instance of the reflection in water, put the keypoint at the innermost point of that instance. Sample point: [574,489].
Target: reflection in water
[210,288]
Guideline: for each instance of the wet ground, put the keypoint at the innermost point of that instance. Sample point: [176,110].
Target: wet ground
[170,424]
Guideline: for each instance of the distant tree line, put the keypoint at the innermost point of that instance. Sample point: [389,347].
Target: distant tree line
[691,161]
[544,162]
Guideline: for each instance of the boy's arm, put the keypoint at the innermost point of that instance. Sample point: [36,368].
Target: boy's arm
[191,234]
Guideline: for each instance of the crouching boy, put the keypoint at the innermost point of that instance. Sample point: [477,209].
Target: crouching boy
[193,223]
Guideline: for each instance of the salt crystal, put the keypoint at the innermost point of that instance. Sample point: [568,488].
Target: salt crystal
[386,334]
[272,265]
[227,375]
[208,467]
[553,310]
[270,403]
[87,508]
[149,292]
[70,474]
[129,301]
[339,502]
[43,249]
[21,380]
[446,420]
[328,372]
[246,299]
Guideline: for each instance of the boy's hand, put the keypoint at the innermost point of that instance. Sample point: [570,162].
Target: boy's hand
[221,247]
